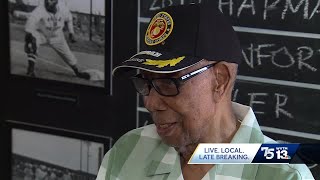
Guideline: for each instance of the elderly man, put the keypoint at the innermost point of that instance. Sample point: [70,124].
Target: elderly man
[186,76]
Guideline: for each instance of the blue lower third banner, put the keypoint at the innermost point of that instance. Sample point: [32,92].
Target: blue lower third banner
[207,153]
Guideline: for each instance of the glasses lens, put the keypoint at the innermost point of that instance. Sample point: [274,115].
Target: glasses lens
[165,87]
[141,85]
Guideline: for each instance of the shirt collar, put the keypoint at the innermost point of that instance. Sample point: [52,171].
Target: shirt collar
[249,130]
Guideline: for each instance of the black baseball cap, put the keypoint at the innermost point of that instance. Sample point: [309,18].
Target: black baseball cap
[180,36]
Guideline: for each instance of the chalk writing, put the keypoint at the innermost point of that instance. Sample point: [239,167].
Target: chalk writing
[280,57]
[286,8]
[159,4]
[247,6]
[254,101]
[296,9]
[257,100]
[307,9]
[280,103]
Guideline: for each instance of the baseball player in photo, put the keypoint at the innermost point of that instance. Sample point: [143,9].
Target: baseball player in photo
[45,26]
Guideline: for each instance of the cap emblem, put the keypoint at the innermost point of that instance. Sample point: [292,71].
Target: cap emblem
[163,63]
[159,29]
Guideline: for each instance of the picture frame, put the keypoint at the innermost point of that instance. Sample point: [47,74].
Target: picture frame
[42,151]
[43,52]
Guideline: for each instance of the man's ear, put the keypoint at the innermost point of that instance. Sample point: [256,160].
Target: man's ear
[222,80]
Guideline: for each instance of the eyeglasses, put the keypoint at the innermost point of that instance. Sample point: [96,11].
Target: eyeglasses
[164,86]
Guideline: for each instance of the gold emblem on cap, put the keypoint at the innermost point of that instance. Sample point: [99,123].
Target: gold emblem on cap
[159,29]
[163,63]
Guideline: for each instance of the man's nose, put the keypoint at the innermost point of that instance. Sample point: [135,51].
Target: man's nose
[154,102]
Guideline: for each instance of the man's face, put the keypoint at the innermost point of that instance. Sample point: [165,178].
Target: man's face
[183,119]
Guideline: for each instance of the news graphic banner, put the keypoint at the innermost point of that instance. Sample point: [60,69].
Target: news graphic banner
[255,154]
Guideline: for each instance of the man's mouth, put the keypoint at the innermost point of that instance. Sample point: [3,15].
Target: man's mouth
[165,125]
[165,129]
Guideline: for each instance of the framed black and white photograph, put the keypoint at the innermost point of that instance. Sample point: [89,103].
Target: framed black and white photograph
[61,40]
[48,153]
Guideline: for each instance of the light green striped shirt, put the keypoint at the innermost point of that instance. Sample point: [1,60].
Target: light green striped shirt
[140,154]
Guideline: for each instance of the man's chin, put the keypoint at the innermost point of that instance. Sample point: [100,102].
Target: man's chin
[172,142]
